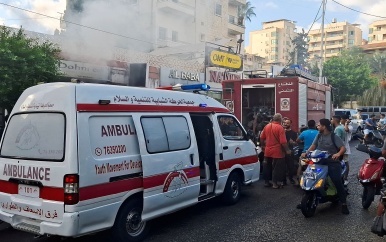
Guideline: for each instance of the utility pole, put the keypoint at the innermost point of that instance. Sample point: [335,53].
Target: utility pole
[322,45]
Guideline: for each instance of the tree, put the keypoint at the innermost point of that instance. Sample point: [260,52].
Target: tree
[24,62]
[246,12]
[349,74]
[299,54]
[377,63]
[375,96]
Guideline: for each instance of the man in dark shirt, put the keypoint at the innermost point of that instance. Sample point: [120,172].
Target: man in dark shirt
[291,137]
[370,124]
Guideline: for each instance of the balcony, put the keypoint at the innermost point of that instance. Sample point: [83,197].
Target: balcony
[235,26]
[237,2]
[176,7]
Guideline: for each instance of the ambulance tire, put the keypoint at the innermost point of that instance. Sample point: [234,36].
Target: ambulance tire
[232,189]
[127,226]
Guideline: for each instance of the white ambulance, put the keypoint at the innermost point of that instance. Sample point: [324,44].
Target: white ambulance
[80,158]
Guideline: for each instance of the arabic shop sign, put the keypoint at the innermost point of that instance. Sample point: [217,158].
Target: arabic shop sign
[219,58]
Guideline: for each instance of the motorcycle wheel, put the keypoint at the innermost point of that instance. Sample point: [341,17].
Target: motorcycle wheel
[368,196]
[378,143]
[308,205]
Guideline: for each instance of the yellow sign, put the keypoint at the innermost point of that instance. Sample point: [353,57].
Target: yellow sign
[224,59]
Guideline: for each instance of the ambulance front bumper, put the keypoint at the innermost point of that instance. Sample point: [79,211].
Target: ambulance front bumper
[68,227]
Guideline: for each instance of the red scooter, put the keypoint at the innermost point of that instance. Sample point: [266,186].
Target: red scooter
[370,174]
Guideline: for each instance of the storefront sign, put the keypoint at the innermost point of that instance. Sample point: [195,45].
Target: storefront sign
[172,77]
[219,76]
[190,76]
[84,70]
[219,58]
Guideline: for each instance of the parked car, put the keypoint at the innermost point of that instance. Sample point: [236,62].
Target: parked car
[359,121]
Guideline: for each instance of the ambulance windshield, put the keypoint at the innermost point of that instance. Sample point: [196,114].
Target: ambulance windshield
[35,136]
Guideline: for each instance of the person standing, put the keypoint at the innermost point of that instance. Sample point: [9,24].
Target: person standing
[307,137]
[338,127]
[370,124]
[291,137]
[273,137]
[345,121]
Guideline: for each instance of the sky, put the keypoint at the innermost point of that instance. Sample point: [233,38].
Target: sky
[301,11]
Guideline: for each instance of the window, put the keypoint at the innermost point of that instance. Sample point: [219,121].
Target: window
[351,33]
[230,128]
[218,9]
[351,42]
[273,34]
[274,49]
[175,36]
[370,39]
[164,134]
[162,33]
[379,28]
[370,30]
[274,41]
[376,110]
[383,110]
[29,136]
[370,109]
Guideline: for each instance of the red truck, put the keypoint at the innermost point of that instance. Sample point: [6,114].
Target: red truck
[295,97]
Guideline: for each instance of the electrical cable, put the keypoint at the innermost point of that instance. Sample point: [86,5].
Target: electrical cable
[315,19]
[358,10]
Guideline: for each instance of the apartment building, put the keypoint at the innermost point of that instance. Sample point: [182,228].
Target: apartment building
[153,24]
[273,42]
[337,36]
[377,32]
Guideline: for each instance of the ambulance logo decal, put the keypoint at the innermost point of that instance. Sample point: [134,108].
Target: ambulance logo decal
[176,182]
[27,138]
[238,151]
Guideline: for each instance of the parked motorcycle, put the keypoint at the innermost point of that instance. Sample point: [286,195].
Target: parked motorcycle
[370,174]
[317,185]
[379,224]
[374,137]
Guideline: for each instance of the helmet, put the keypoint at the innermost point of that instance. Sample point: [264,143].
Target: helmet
[375,152]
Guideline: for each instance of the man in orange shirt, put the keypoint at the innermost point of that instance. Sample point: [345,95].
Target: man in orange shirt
[275,142]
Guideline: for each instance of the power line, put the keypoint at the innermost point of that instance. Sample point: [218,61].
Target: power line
[315,19]
[358,10]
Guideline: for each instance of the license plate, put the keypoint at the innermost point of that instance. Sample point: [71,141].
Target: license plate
[309,175]
[29,191]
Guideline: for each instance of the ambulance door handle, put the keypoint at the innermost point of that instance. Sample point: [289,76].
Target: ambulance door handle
[225,147]
[191,159]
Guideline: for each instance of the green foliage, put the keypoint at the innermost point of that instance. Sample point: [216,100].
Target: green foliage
[299,54]
[349,74]
[377,63]
[246,12]
[24,62]
[375,96]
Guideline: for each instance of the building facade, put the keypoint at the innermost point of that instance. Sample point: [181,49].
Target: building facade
[337,36]
[273,42]
[377,32]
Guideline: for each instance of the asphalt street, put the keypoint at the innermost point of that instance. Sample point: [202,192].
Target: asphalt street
[263,214]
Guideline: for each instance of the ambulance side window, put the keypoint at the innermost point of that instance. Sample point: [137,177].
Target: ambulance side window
[231,128]
[164,134]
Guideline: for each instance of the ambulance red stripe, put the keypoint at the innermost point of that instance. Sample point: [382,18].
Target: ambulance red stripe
[146,108]
[106,189]
[242,161]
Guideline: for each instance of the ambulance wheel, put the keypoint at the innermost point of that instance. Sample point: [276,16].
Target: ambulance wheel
[128,225]
[232,189]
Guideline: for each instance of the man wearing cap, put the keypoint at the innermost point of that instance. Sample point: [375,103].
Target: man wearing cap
[324,142]
[345,121]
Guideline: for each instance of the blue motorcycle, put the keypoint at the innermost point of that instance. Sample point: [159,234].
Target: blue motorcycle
[317,185]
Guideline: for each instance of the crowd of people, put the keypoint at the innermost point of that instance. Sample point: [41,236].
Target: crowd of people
[280,143]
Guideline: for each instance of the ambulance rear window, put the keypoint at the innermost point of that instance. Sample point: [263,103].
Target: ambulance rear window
[35,136]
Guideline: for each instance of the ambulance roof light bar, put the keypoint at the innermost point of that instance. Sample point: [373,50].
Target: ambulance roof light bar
[187,87]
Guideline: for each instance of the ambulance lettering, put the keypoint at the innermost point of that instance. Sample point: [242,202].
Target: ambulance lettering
[33,173]
[176,182]
[104,168]
[117,130]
